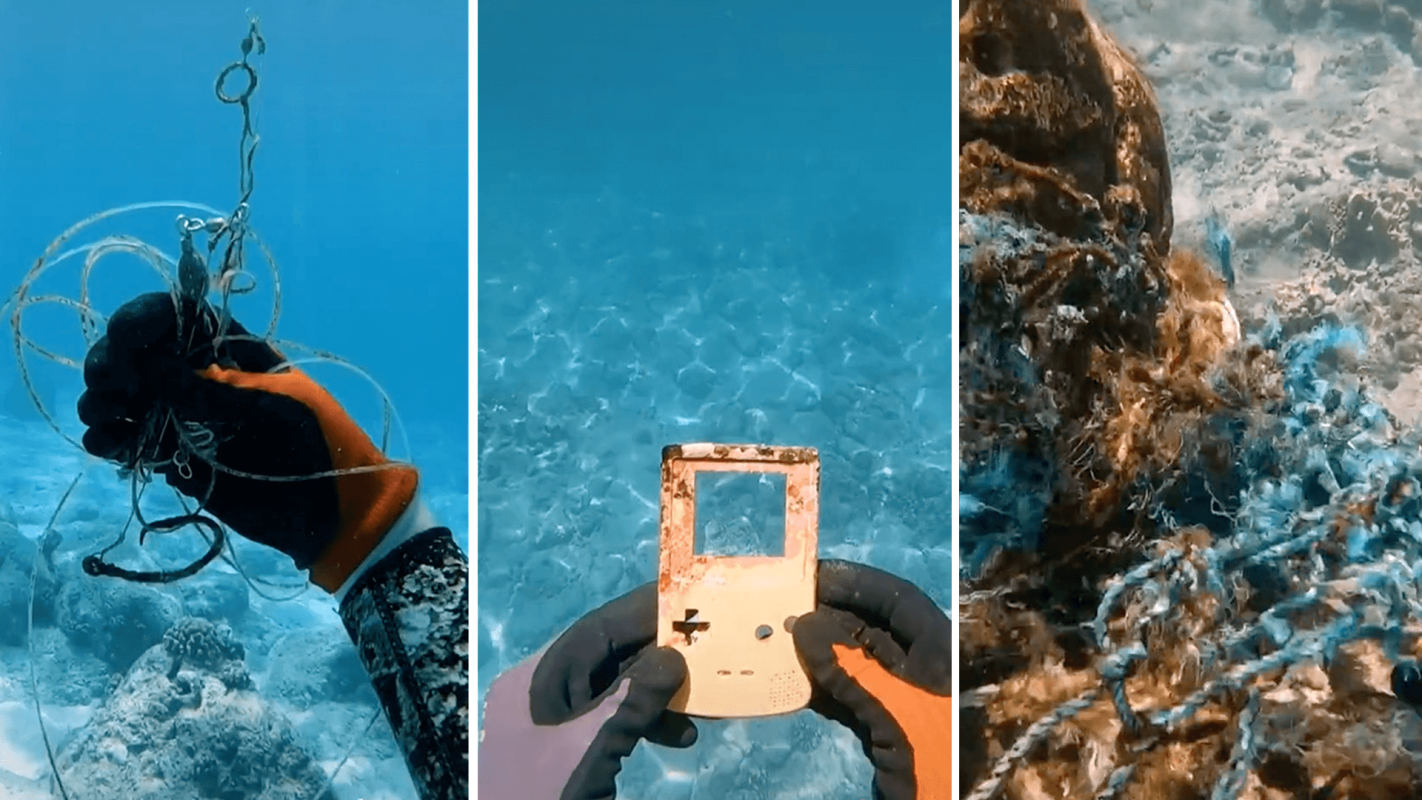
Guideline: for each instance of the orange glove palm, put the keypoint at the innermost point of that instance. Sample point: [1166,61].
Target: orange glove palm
[264,421]
[879,652]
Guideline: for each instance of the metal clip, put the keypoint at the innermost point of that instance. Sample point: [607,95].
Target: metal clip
[180,459]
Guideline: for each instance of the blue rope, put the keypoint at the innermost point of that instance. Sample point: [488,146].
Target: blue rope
[1232,782]
[1279,531]
[1134,578]
[1033,736]
[1326,525]
[1119,778]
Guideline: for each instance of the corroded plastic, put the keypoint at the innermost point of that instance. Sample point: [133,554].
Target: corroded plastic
[730,616]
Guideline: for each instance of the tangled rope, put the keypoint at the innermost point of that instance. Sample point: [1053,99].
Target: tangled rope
[1337,527]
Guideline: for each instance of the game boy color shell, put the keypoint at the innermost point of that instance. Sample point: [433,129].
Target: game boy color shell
[730,616]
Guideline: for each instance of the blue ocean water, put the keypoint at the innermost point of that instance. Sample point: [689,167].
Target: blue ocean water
[709,222]
[361,194]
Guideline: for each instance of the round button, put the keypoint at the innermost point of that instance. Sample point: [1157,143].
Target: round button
[763,632]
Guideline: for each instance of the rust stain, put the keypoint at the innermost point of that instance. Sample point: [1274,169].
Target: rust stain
[680,568]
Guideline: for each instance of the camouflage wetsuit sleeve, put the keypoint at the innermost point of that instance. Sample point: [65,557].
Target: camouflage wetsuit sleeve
[408,616]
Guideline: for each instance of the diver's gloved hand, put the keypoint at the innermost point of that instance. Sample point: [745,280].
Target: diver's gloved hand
[261,423]
[557,726]
[879,652]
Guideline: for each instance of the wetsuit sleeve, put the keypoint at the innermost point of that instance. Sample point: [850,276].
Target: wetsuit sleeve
[408,615]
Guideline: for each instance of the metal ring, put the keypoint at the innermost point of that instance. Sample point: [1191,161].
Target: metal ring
[180,460]
[251,82]
[239,289]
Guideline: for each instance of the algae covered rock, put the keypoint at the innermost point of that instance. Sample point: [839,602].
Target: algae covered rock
[184,724]
[17,562]
[306,666]
[1058,124]
[114,619]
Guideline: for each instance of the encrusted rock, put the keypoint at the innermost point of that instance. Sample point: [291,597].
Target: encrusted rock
[1057,121]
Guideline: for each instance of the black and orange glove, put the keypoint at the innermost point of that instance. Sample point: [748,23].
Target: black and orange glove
[558,726]
[262,422]
[879,652]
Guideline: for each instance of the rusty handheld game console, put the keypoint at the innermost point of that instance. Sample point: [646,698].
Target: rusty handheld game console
[730,616]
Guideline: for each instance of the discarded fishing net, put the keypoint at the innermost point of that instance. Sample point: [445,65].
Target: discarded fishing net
[202,280]
[1088,386]
[1261,656]
[1192,554]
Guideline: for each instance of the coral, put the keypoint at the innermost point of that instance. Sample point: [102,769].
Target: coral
[1398,20]
[309,665]
[17,566]
[200,643]
[1366,274]
[182,724]
[218,596]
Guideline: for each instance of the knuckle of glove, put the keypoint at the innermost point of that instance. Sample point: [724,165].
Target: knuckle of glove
[108,371]
[146,321]
[114,442]
[148,324]
[817,632]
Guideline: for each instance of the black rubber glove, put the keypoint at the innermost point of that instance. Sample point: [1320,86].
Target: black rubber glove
[879,652]
[261,422]
[557,726]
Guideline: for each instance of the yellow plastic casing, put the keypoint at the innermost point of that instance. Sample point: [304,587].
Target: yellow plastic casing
[730,616]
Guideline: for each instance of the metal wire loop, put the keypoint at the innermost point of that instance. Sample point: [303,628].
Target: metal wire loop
[246,93]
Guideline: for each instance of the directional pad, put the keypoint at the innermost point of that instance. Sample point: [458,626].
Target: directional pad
[691,626]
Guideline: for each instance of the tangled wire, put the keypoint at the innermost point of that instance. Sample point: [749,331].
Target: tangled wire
[202,300]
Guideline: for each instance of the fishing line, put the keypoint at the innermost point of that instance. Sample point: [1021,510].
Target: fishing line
[202,302]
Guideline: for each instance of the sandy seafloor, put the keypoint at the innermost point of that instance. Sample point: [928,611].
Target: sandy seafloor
[610,328]
[1292,126]
[316,682]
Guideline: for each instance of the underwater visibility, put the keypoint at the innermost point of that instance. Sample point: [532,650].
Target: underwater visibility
[714,399]
[1191,464]
[150,653]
